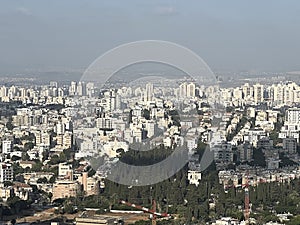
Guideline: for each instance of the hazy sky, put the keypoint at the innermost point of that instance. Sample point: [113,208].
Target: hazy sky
[228,34]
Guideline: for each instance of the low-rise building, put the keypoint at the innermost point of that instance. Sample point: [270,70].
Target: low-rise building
[6,147]
[5,192]
[22,190]
[99,220]
[65,189]
[64,168]
[194,177]
[26,164]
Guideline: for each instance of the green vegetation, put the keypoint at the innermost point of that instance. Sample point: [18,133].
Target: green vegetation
[294,221]
[258,158]
[285,161]
[14,205]
[274,136]
[146,114]
[230,109]
[189,203]
[151,157]
[175,117]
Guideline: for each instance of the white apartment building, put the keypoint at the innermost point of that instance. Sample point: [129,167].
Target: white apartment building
[104,123]
[6,147]
[291,127]
[191,90]
[187,90]
[254,135]
[148,94]
[64,168]
[194,177]
[6,172]
[293,116]
[258,93]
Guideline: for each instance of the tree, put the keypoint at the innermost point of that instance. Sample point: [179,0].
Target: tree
[91,172]
[9,124]
[8,183]
[141,222]
[294,221]
[274,136]
[258,158]
[15,158]
[68,153]
[25,156]
[16,149]
[28,146]
[229,109]
[16,204]
[37,167]
[69,208]
[130,116]
[201,147]
[29,138]
[146,114]
[45,155]
[52,179]
[42,180]
[50,195]
[62,157]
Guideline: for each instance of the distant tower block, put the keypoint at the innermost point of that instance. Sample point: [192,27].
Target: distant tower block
[183,90]
[258,93]
[149,92]
[191,90]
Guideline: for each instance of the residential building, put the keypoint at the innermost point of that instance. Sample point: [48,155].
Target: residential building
[6,172]
[290,145]
[6,147]
[64,168]
[65,189]
[245,152]
[194,177]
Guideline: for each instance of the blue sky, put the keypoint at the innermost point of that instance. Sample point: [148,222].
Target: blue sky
[229,35]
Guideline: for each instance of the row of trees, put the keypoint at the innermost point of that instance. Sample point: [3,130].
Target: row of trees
[192,204]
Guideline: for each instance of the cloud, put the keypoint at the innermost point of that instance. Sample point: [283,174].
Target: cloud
[24,11]
[166,10]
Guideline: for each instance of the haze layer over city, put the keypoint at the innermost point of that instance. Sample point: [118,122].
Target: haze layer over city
[150,112]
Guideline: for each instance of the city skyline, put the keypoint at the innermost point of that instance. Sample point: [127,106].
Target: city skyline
[161,112]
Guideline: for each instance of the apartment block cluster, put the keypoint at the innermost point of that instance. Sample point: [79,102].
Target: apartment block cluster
[250,130]
[131,116]
[265,118]
[93,123]
[275,95]
[71,181]
[243,176]
[46,94]
[39,130]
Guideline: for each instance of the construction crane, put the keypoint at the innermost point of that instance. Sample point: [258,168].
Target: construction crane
[246,201]
[245,186]
[150,211]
